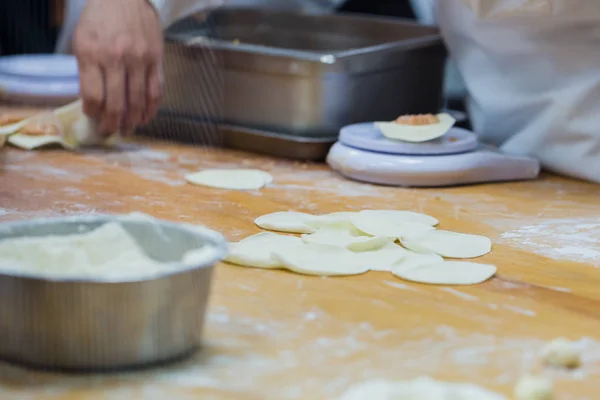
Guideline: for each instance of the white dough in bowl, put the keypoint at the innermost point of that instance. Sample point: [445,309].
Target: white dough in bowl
[399,216]
[449,244]
[286,221]
[256,250]
[322,260]
[108,251]
[446,273]
[379,225]
[235,179]
[349,238]
[417,133]
[423,388]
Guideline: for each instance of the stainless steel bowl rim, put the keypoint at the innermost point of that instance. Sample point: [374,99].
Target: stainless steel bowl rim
[214,250]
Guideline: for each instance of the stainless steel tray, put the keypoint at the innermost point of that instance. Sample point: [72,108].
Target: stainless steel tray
[302,74]
[192,130]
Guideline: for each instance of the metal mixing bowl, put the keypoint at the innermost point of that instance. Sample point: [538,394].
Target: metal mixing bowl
[79,323]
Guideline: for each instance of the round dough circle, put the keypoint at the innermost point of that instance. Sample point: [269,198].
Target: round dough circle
[420,388]
[337,220]
[322,260]
[446,273]
[415,260]
[400,216]
[383,258]
[286,221]
[449,244]
[256,250]
[235,179]
[379,225]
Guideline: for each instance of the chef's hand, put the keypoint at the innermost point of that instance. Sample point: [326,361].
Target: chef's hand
[119,49]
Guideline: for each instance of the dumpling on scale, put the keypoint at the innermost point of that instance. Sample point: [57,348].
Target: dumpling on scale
[417,128]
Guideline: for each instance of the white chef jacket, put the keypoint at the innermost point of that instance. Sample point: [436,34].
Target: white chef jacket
[532,72]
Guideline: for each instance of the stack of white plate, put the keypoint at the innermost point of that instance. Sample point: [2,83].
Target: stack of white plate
[39,79]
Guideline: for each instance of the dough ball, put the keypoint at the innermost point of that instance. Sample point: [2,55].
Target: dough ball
[561,352]
[286,221]
[534,388]
[234,179]
[449,244]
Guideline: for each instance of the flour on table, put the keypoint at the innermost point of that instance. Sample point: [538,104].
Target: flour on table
[234,179]
[418,389]
[351,243]
[108,251]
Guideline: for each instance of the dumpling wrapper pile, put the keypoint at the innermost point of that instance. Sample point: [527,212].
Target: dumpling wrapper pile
[233,179]
[365,241]
[417,133]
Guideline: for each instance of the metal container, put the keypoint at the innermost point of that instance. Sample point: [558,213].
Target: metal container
[191,130]
[84,324]
[304,74]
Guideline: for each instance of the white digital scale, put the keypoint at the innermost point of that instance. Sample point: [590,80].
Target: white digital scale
[362,153]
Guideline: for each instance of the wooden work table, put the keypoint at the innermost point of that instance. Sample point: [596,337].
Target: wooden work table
[278,335]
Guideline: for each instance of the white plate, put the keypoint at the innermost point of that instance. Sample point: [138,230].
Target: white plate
[39,78]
